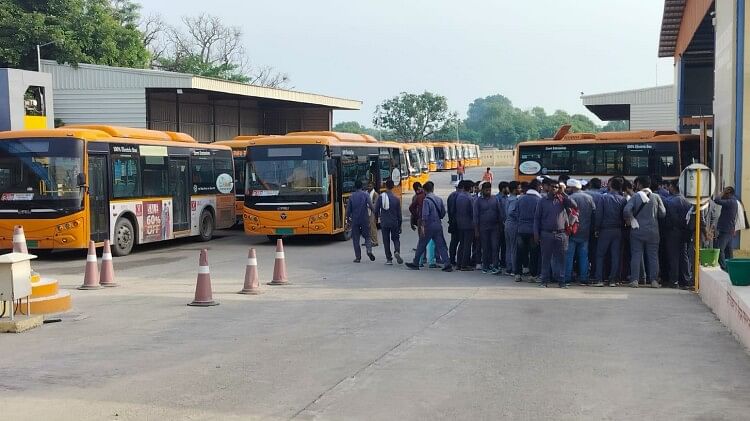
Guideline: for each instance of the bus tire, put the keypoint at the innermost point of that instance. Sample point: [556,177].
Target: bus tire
[206,226]
[124,237]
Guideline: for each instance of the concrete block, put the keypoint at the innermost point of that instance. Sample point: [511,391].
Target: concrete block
[730,303]
[20,324]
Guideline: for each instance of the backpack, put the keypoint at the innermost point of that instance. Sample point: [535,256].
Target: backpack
[571,223]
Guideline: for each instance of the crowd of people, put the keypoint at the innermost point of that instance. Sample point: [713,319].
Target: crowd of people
[547,231]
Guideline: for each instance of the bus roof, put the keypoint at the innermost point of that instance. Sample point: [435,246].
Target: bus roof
[321,137]
[105,133]
[613,137]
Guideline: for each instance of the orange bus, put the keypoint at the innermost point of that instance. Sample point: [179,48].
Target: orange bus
[299,183]
[602,155]
[70,185]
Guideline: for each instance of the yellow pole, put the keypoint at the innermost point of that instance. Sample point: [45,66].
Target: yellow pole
[697,260]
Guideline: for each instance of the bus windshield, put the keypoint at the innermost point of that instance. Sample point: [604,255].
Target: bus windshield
[41,175]
[286,175]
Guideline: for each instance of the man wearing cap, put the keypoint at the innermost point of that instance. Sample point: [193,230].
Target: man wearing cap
[578,245]
[550,220]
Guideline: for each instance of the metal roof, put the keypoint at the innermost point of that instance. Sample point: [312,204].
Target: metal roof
[92,76]
[670,26]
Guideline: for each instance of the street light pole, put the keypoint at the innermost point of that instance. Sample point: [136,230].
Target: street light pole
[39,55]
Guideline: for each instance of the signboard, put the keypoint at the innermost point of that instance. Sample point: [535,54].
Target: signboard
[152,221]
[689,182]
[529,167]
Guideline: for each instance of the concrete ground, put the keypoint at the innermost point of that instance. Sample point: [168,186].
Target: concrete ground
[365,341]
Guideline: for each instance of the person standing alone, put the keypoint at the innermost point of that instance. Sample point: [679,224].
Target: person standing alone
[388,209]
[358,219]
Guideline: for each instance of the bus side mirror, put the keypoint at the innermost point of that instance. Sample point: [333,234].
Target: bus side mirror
[331,166]
[81,180]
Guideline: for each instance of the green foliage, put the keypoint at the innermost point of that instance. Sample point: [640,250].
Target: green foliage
[616,126]
[413,117]
[82,31]
[495,121]
[355,127]
[193,64]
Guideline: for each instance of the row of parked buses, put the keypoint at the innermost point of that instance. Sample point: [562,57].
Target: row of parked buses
[74,184]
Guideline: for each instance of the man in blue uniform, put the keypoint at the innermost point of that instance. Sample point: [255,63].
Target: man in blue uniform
[550,221]
[431,228]
[678,236]
[465,225]
[726,225]
[527,250]
[487,214]
[608,228]
[388,209]
[359,220]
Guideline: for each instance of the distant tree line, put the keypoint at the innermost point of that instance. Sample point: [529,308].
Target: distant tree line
[113,33]
[490,121]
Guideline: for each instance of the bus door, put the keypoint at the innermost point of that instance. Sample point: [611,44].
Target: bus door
[179,182]
[337,189]
[98,197]
[374,169]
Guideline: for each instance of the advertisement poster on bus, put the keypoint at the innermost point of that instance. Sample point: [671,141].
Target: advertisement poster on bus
[152,221]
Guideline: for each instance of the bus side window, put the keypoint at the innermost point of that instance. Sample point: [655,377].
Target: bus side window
[126,176]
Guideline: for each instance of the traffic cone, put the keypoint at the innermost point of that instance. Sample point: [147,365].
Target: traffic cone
[279,266]
[252,287]
[19,240]
[91,275]
[203,293]
[107,274]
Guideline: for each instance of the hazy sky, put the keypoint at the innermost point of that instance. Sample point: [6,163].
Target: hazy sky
[535,52]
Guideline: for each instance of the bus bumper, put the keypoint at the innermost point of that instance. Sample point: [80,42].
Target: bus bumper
[288,223]
[53,234]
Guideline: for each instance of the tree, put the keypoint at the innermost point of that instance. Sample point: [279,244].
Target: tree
[81,31]
[616,126]
[203,45]
[413,117]
[355,127]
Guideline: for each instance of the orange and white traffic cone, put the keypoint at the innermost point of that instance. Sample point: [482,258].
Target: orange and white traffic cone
[19,240]
[107,273]
[91,274]
[252,287]
[279,266]
[203,293]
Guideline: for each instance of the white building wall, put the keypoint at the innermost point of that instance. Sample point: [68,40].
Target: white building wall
[725,90]
[653,116]
[120,107]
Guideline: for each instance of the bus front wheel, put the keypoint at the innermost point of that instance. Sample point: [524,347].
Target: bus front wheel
[124,237]
[206,226]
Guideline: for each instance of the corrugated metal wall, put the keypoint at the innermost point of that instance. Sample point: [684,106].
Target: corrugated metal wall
[653,116]
[122,107]
[90,77]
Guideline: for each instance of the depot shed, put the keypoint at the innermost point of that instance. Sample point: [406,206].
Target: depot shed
[205,108]
[644,109]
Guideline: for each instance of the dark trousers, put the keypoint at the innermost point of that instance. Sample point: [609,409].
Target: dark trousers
[391,234]
[453,246]
[502,248]
[489,240]
[724,243]
[554,247]
[608,244]
[441,249]
[527,254]
[593,241]
[465,241]
[678,258]
[363,230]
[644,246]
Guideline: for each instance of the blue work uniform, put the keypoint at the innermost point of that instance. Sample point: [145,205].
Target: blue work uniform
[465,228]
[578,245]
[677,239]
[527,250]
[644,241]
[357,213]
[725,228]
[511,231]
[609,224]
[487,215]
[550,220]
[390,222]
[433,211]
